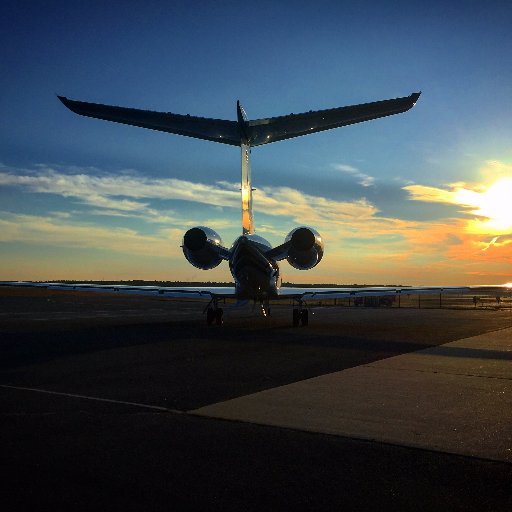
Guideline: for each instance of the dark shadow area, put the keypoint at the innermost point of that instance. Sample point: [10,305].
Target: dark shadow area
[180,365]
[28,348]
[184,364]
[126,461]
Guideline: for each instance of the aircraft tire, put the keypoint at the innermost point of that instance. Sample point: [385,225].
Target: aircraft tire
[210,316]
[304,317]
[218,316]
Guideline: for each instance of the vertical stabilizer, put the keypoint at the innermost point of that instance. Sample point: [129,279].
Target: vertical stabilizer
[246,188]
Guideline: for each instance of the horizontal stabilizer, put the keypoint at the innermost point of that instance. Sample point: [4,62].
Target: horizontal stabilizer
[265,131]
[217,130]
[243,131]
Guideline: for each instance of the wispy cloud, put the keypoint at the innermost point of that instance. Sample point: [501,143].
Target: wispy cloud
[48,230]
[432,194]
[490,203]
[363,179]
[310,208]
[485,224]
[346,168]
[119,192]
[131,195]
[360,239]
[491,243]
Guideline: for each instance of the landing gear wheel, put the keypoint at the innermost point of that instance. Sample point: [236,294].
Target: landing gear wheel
[304,317]
[210,316]
[218,316]
[296,317]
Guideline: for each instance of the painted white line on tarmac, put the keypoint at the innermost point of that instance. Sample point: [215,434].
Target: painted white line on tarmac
[95,398]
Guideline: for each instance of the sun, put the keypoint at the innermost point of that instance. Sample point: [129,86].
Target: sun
[492,206]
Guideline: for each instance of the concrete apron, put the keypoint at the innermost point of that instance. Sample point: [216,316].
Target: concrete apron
[454,398]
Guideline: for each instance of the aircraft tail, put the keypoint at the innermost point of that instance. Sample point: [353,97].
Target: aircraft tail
[246,188]
[246,185]
[245,133]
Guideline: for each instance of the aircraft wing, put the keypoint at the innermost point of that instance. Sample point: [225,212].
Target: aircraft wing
[217,130]
[303,294]
[284,293]
[312,294]
[183,292]
[265,131]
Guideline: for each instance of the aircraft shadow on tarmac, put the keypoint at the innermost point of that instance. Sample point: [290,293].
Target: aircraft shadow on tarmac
[32,347]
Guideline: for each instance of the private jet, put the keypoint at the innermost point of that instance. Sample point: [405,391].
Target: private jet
[252,260]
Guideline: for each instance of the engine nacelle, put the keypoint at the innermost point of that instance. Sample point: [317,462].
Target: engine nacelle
[306,249]
[200,247]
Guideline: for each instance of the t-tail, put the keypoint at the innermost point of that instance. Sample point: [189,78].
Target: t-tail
[243,132]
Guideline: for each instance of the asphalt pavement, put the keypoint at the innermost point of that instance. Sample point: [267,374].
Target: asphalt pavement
[135,404]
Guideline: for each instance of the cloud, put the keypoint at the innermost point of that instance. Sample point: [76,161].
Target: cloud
[55,231]
[364,179]
[490,204]
[130,195]
[346,168]
[491,243]
[310,208]
[360,241]
[430,194]
[138,197]
[103,190]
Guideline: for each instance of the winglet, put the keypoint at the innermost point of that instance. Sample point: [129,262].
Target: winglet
[242,116]
[243,123]
[414,97]
[67,103]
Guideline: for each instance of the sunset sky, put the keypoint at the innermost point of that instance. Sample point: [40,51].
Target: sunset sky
[419,198]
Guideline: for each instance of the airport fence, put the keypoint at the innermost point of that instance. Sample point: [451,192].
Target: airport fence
[422,301]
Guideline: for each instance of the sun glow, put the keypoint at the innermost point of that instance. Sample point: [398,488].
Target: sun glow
[493,206]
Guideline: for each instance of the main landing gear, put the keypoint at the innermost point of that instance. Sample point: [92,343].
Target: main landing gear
[300,315]
[214,313]
[265,308]
[214,316]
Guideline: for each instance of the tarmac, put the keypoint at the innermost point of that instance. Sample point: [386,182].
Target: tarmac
[134,403]
[455,398]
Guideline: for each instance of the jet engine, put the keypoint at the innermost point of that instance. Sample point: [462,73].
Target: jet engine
[306,248]
[203,247]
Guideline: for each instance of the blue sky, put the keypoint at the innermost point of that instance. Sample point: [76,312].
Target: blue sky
[398,200]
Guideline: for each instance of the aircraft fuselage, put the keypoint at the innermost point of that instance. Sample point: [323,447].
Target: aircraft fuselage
[255,275]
